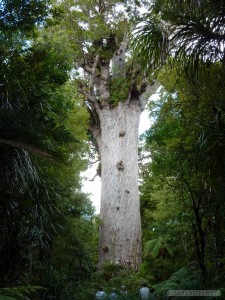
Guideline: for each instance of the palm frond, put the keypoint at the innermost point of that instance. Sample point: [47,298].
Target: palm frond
[151,41]
[190,32]
[21,145]
[17,170]
[183,7]
[199,40]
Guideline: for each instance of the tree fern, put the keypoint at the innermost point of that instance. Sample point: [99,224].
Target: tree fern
[183,279]
[18,293]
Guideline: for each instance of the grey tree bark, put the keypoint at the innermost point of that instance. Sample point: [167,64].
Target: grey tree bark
[120,231]
[115,129]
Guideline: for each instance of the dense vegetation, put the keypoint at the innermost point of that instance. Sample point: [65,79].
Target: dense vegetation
[46,222]
[183,188]
[48,241]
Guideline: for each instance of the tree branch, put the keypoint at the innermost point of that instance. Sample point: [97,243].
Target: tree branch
[93,72]
[149,91]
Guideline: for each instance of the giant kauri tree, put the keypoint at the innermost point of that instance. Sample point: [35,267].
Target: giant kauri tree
[113,89]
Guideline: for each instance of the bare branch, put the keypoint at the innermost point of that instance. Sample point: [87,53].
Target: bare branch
[89,97]
[149,91]
[118,60]
[93,72]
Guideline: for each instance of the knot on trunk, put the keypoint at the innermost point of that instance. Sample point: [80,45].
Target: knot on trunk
[122,133]
[120,165]
[105,249]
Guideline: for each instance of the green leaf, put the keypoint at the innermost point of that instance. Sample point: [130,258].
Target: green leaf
[153,246]
[3,297]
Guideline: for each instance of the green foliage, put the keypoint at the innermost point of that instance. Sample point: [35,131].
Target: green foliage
[92,32]
[183,279]
[153,246]
[73,250]
[42,142]
[119,90]
[17,293]
[112,276]
[150,41]
[22,15]
[180,195]
[156,246]
[186,32]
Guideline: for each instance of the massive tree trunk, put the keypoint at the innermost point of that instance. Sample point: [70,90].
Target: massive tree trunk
[120,231]
[115,129]
[112,84]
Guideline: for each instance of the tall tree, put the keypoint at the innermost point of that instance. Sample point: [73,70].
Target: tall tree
[112,87]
